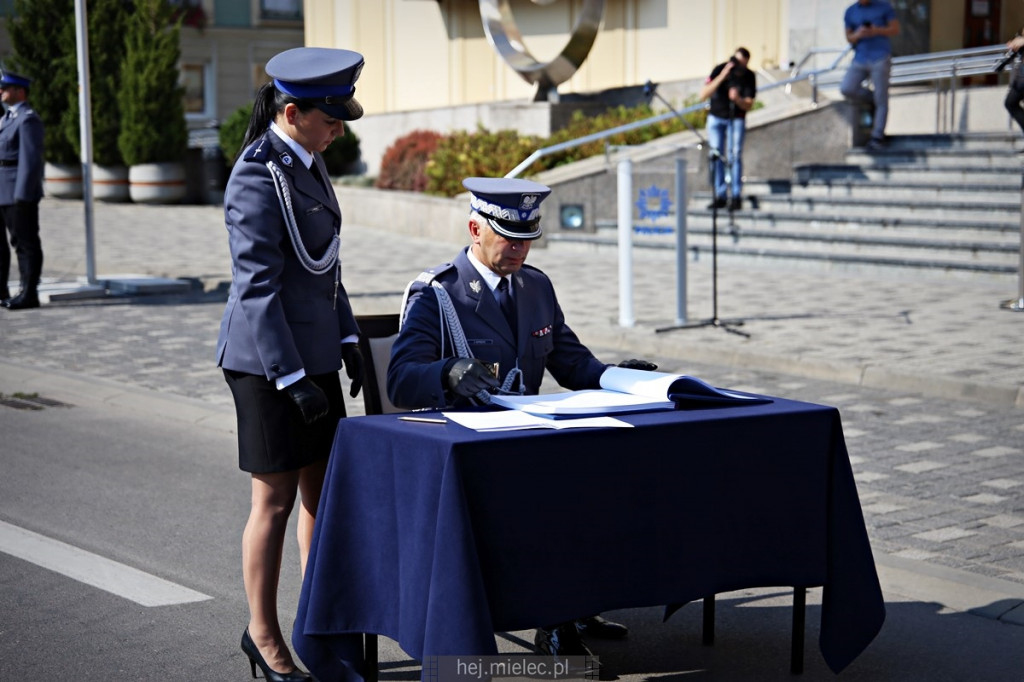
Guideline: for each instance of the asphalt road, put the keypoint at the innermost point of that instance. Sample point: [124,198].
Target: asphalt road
[148,479]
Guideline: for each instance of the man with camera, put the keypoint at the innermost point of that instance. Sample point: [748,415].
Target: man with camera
[869,26]
[1015,95]
[732,89]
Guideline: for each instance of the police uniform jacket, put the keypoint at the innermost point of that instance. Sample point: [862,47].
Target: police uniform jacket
[21,157]
[279,316]
[544,339]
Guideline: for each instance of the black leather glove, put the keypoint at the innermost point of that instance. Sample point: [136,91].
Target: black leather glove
[352,358]
[312,401]
[469,376]
[642,365]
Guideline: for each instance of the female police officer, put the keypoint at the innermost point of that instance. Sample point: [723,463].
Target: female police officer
[288,323]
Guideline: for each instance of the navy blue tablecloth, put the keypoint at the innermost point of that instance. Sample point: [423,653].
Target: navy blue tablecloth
[437,536]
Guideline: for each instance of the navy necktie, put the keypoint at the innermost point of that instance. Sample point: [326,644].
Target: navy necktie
[315,170]
[506,302]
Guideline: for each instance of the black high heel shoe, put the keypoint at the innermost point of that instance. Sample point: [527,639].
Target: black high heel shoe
[256,659]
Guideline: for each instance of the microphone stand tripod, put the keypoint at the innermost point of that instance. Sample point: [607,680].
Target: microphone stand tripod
[713,156]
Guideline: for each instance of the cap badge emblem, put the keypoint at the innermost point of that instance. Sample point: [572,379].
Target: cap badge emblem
[528,201]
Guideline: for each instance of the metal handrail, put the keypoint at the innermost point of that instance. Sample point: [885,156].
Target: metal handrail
[924,68]
[600,135]
[795,71]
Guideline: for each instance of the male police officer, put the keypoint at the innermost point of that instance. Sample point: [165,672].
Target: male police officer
[487,322]
[21,188]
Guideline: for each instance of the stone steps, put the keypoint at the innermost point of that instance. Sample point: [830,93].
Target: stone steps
[938,193]
[942,203]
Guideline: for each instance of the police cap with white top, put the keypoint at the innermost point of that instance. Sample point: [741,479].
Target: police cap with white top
[325,77]
[510,205]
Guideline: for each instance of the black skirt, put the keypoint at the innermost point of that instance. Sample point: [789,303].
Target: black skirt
[272,436]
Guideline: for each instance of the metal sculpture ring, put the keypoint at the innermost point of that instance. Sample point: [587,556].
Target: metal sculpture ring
[504,36]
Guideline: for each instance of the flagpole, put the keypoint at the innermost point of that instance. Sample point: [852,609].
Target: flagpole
[85,128]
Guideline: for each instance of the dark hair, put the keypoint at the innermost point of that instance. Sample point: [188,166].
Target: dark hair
[269,103]
[743,51]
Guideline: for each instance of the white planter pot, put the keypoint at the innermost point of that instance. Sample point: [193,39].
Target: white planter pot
[63,180]
[157,183]
[110,183]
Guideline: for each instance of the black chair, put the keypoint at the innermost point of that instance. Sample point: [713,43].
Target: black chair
[376,335]
[796,653]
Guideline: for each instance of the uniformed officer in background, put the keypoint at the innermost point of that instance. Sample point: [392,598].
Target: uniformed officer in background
[288,325]
[21,188]
[487,322]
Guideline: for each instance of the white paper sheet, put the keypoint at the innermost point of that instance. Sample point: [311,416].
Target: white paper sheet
[515,420]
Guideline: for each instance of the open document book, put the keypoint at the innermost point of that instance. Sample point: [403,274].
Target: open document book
[629,390]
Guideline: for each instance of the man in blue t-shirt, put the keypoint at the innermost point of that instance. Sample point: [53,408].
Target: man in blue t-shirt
[869,26]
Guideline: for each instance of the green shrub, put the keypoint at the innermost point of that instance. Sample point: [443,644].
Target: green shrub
[581,126]
[42,35]
[404,163]
[153,128]
[106,53]
[342,153]
[484,153]
[232,132]
[493,154]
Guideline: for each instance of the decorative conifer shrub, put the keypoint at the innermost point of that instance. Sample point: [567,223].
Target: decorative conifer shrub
[153,128]
[106,54]
[42,34]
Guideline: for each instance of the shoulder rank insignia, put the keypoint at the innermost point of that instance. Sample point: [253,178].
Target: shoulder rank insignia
[260,151]
[476,286]
[544,331]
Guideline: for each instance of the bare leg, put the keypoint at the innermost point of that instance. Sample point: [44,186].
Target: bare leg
[273,496]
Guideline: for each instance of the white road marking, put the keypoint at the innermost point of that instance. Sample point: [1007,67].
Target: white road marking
[92,569]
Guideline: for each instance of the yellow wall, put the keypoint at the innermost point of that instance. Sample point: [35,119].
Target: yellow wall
[424,54]
[1013,18]
[947,28]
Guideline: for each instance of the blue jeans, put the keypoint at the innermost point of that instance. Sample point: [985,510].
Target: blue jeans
[726,137]
[853,88]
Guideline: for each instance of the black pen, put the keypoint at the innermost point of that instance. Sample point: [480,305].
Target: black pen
[424,420]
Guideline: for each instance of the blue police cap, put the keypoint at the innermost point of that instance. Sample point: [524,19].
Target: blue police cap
[323,76]
[8,79]
[510,205]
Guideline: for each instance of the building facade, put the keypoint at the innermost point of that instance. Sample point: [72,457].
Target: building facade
[423,54]
[224,45]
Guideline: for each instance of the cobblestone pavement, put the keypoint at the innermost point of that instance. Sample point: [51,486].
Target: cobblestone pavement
[923,371]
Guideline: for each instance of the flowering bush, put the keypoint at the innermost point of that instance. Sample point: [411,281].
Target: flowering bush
[403,164]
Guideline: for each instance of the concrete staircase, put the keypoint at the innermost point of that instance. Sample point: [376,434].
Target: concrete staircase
[939,203]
